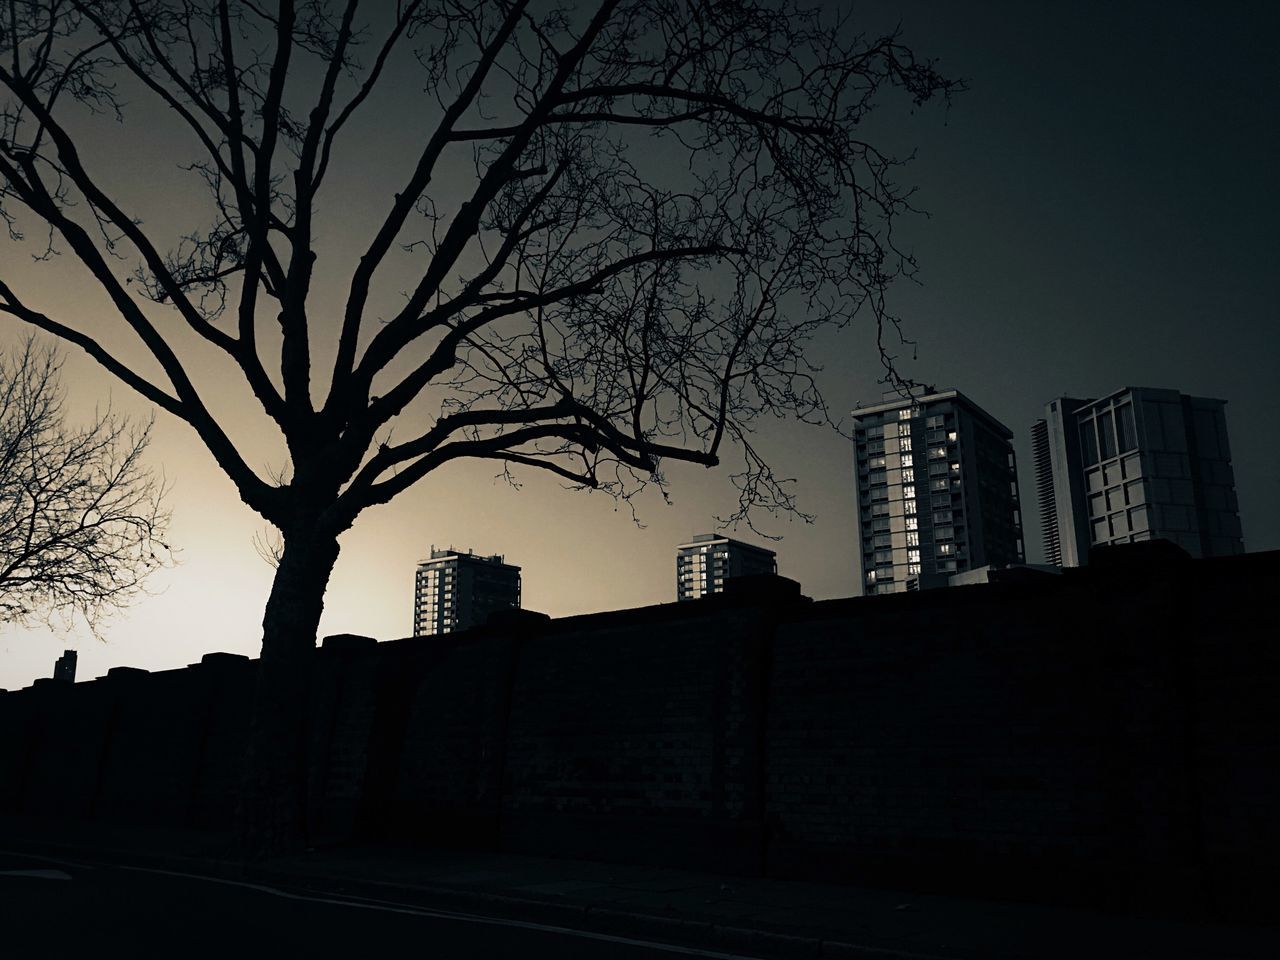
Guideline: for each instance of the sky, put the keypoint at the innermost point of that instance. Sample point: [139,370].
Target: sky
[1102,213]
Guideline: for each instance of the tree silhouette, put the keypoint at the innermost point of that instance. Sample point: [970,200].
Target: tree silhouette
[620,226]
[81,520]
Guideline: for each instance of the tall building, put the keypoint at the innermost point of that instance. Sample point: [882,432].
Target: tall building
[64,668]
[1138,464]
[456,591]
[707,561]
[937,490]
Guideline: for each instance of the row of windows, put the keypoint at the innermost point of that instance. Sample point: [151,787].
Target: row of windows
[941,535]
[1136,520]
[1109,434]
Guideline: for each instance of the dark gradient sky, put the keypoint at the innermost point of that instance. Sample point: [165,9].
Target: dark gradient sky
[1103,213]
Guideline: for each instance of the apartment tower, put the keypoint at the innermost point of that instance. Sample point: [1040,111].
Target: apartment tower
[455,591]
[937,490]
[1138,464]
[705,562]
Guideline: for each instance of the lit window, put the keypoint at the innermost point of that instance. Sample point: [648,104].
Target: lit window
[913,538]
[904,414]
[909,492]
[913,556]
[913,523]
[951,436]
[938,452]
[907,460]
[913,569]
[945,549]
[908,476]
[955,468]
[909,507]
[906,443]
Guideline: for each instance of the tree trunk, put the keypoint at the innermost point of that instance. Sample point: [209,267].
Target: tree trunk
[272,815]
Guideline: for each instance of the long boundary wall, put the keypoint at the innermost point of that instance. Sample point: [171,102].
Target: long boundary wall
[1109,736]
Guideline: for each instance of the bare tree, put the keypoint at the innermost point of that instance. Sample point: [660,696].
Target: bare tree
[81,519]
[621,225]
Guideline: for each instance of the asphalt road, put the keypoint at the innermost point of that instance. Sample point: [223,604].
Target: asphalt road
[52,908]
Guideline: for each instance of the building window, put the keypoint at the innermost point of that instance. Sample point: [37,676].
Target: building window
[1138,518]
[909,492]
[1128,432]
[913,523]
[904,413]
[1088,443]
[913,569]
[1107,434]
[913,538]
[908,476]
[909,507]
[905,443]
[908,460]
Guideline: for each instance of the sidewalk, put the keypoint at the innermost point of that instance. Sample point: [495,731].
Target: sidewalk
[750,916]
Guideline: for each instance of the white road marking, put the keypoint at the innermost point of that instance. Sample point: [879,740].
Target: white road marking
[389,906]
[38,874]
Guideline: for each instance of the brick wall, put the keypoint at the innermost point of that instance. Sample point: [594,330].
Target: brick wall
[1110,736]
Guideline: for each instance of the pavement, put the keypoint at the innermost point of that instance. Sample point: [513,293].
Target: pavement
[674,911]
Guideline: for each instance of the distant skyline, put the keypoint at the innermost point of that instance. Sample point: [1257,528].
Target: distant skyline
[1102,215]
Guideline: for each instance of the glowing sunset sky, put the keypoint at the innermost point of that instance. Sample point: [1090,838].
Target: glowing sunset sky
[1103,213]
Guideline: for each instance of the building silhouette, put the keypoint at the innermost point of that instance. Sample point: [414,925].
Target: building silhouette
[1138,464]
[707,561]
[456,591]
[937,490]
[64,668]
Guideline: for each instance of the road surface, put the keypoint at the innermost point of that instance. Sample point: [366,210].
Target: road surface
[66,908]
